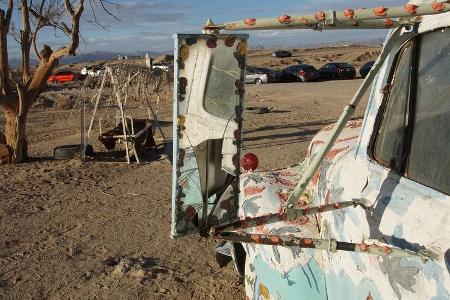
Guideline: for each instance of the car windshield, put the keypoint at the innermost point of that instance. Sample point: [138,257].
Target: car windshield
[344,65]
[308,68]
[264,70]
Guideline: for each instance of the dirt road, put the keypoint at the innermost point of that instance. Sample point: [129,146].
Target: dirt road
[101,230]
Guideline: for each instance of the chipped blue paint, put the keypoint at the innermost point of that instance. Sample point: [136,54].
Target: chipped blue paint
[306,282]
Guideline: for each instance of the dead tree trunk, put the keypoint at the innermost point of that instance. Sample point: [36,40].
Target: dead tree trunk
[16,103]
[15,133]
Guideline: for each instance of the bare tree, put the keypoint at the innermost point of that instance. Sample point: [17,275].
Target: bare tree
[18,92]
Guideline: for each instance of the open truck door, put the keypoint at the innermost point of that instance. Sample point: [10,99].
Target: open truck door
[209,81]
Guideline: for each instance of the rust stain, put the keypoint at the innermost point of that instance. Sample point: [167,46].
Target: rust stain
[256,238]
[437,6]
[211,43]
[320,16]
[229,42]
[308,242]
[190,212]
[411,9]
[274,239]
[250,21]
[380,11]
[239,85]
[261,221]
[363,247]
[226,205]
[387,250]
[388,22]
[285,19]
[349,13]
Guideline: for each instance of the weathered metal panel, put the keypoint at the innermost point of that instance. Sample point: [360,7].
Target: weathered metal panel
[208,95]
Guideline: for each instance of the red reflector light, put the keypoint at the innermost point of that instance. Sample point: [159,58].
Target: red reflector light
[249,162]
[302,73]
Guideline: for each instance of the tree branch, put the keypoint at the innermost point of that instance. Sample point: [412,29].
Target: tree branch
[37,28]
[74,31]
[25,40]
[5,21]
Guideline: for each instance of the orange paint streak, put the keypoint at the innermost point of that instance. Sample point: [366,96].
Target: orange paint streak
[347,139]
[253,190]
[332,154]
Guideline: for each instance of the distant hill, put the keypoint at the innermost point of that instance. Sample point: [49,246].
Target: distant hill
[86,57]
[108,55]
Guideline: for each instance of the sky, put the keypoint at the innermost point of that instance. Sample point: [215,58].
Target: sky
[149,25]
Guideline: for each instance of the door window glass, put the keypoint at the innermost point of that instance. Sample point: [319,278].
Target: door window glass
[429,159]
[389,145]
[221,98]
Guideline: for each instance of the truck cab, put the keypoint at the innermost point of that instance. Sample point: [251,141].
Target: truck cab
[371,223]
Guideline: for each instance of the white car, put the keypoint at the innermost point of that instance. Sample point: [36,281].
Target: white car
[162,66]
[93,71]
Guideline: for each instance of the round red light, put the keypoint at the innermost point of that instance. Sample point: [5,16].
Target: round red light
[249,162]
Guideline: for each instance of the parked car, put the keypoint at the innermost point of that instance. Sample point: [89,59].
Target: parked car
[93,71]
[281,54]
[64,76]
[259,75]
[337,71]
[162,66]
[302,73]
[84,71]
[366,214]
[364,70]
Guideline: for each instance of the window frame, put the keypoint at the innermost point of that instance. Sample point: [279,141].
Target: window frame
[384,104]
[412,100]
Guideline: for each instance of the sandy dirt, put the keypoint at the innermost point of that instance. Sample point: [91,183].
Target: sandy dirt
[101,229]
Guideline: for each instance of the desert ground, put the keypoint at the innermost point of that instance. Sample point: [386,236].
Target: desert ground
[100,229]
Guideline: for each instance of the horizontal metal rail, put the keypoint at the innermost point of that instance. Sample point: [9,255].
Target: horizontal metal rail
[292,214]
[330,245]
[364,18]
